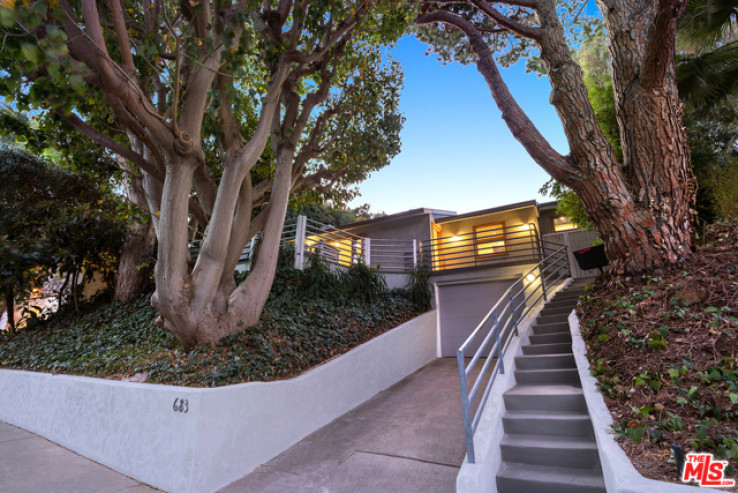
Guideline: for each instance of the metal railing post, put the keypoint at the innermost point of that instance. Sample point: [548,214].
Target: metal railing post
[300,229]
[468,432]
[367,251]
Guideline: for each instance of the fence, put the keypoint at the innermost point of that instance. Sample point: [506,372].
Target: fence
[496,331]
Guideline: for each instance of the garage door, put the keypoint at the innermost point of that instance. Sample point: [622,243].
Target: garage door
[460,309]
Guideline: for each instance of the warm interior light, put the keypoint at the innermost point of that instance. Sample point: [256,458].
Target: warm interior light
[530,278]
[455,238]
[525,227]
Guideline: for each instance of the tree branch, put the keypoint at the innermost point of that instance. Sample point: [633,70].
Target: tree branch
[517,121]
[661,43]
[120,31]
[111,144]
[506,22]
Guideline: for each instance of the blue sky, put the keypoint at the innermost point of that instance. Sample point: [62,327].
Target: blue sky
[457,152]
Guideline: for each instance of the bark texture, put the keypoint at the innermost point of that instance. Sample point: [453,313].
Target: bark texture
[136,258]
[642,206]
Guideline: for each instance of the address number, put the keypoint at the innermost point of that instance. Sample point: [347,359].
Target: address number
[181,405]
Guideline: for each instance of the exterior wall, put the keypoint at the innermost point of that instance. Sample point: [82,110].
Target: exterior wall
[545,220]
[226,432]
[416,227]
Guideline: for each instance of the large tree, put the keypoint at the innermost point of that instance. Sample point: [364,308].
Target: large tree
[641,205]
[181,81]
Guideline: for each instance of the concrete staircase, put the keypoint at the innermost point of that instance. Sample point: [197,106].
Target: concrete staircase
[549,445]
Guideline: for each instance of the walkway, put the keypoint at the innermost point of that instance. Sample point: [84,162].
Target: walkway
[407,438]
[29,463]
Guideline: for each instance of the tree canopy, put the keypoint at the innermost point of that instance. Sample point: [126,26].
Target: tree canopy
[52,220]
[223,110]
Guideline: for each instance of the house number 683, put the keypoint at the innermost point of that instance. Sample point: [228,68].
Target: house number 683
[181,405]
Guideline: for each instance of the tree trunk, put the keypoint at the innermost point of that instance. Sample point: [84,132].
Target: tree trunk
[10,304]
[642,207]
[134,269]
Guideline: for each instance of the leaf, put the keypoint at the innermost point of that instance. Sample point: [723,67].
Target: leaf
[734,398]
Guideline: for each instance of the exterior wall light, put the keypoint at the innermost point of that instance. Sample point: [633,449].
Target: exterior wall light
[530,278]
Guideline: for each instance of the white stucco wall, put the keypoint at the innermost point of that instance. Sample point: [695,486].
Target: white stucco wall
[620,474]
[227,432]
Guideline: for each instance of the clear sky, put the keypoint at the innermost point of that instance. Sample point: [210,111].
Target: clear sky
[457,152]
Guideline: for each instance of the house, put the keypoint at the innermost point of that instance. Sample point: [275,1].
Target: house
[474,257]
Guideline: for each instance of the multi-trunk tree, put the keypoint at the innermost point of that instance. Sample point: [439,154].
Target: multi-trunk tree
[224,110]
[641,204]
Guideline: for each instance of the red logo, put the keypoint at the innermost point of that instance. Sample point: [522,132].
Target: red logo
[707,471]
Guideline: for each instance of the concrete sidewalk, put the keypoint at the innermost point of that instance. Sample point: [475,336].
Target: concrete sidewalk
[408,438]
[29,463]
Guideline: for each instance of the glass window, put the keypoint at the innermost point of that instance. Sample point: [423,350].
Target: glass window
[489,239]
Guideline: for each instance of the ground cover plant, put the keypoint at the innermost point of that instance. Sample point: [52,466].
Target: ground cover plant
[310,317]
[664,348]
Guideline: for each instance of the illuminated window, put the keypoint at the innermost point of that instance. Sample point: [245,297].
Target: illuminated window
[489,239]
[562,223]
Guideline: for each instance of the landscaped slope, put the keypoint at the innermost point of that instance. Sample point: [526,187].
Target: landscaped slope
[664,348]
[311,316]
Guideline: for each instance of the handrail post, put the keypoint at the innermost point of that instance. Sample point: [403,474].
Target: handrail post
[367,251]
[300,230]
[465,406]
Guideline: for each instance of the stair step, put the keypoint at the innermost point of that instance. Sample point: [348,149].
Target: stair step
[558,451]
[546,423]
[527,478]
[552,319]
[551,328]
[544,377]
[555,348]
[560,337]
[540,362]
[555,310]
[558,304]
[545,397]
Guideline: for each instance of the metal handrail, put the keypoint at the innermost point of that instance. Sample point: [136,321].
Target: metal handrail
[467,250]
[498,326]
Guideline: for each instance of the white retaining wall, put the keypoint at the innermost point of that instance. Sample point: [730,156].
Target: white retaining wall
[620,474]
[225,432]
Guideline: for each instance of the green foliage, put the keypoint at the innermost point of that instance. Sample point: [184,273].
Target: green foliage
[450,44]
[708,67]
[568,204]
[420,287]
[50,220]
[320,281]
[119,339]
[331,214]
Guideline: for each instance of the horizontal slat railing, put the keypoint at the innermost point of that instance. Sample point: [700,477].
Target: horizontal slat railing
[496,332]
[393,255]
[512,244]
